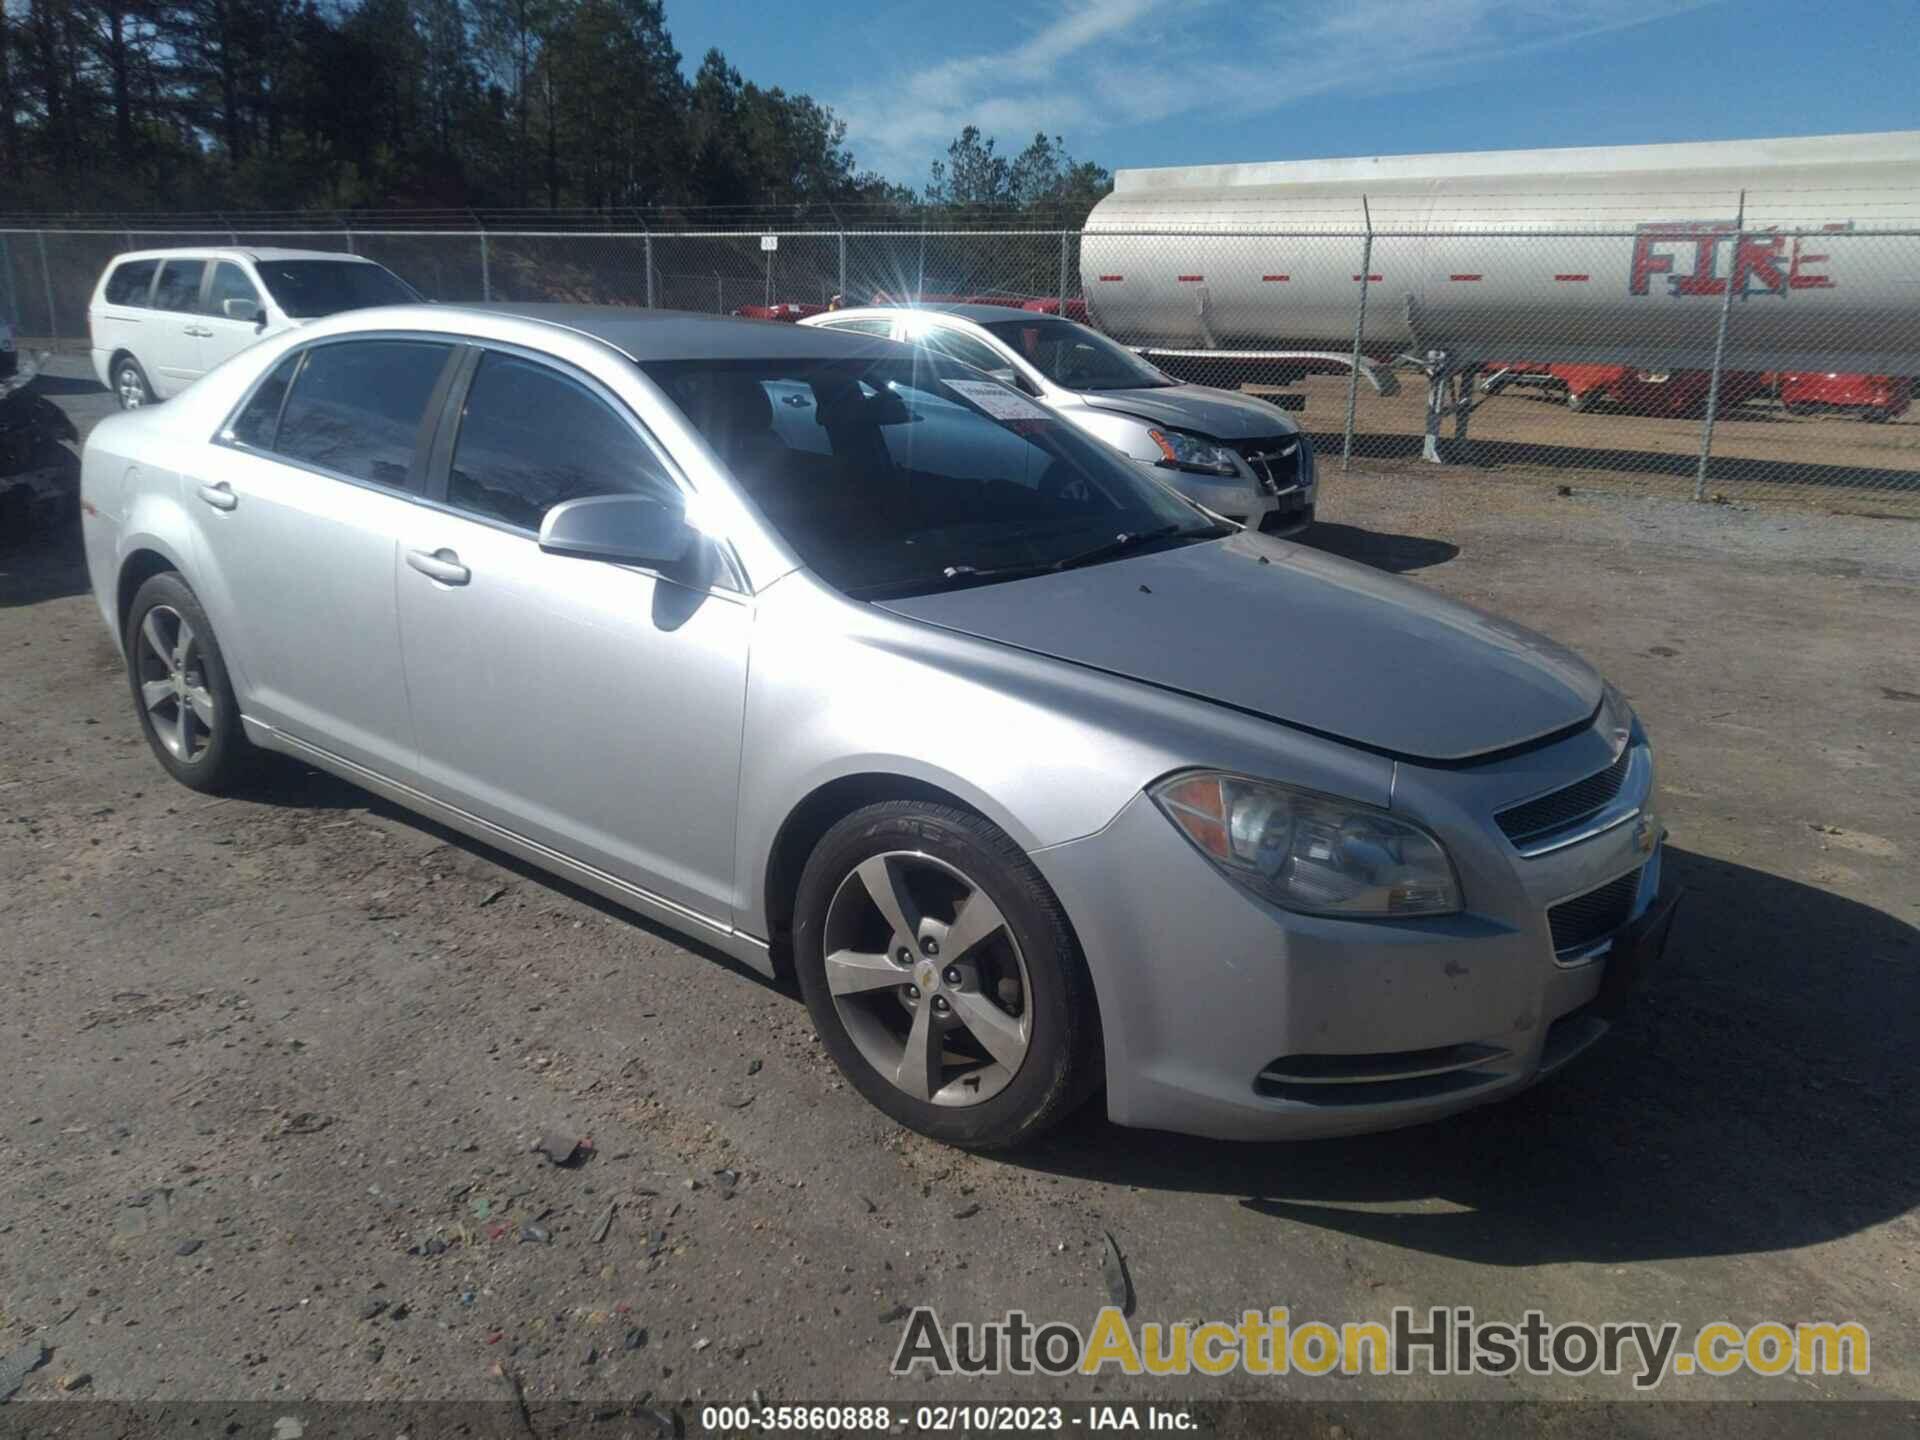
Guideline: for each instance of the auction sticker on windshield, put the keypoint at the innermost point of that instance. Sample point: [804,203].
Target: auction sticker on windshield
[998,401]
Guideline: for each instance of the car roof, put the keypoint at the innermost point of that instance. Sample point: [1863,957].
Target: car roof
[641,335]
[239,252]
[960,310]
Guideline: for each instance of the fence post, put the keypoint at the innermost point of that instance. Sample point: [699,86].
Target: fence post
[46,279]
[1359,330]
[1063,273]
[649,260]
[842,291]
[486,269]
[1719,352]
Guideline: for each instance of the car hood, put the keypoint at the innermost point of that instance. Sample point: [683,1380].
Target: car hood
[1219,414]
[1283,631]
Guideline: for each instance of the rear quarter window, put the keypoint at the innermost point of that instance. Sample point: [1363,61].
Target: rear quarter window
[130,282]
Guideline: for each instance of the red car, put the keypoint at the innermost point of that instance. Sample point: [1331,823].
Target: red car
[1641,392]
[1872,397]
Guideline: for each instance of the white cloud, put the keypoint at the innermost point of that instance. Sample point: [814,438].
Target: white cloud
[1099,64]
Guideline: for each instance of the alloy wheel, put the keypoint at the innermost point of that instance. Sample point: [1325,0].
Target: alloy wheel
[928,979]
[173,684]
[131,388]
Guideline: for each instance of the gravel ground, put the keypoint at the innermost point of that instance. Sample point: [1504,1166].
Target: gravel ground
[273,1065]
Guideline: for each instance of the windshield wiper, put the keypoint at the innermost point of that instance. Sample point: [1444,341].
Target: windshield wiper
[1123,542]
[954,577]
[960,577]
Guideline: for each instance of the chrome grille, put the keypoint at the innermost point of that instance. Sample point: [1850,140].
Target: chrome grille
[1275,461]
[1556,811]
[1586,920]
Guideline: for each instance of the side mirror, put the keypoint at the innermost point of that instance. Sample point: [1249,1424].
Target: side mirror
[626,529]
[243,310]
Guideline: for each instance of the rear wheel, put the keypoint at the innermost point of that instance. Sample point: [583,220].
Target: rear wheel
[942,976]
[181,691]
[130,386]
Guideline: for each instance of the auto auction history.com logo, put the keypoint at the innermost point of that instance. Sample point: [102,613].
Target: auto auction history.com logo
[1447,1340]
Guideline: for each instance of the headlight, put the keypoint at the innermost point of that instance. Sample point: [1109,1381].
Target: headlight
[1190,452]
[1310,852]
[1616,716]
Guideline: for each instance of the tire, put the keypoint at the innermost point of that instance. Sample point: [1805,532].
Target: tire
[1579,400]
[212,753]
[1021,980]
[130,388]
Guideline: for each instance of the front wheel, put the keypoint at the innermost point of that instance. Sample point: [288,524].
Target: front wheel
[942,976]
[181,691]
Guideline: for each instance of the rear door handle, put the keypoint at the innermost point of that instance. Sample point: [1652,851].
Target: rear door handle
[442,565]
[220,496]
[198,332]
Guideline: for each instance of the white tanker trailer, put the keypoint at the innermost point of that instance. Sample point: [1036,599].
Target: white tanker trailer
[1620,255]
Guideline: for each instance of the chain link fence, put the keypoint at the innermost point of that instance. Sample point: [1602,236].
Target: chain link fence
[1709,359]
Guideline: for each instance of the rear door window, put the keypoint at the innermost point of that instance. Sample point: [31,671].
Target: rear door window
[872,325]
[964,348]
[179,287]
[131,282]
[356,408]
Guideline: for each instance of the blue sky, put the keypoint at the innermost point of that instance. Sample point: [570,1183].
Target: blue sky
[1169,82]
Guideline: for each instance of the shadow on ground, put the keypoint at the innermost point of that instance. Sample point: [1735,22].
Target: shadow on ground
[1396,554]
[52,385]
[1759,1098]
[45,563]
[292,784]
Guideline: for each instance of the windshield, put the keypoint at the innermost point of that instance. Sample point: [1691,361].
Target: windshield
[1075,357]
[309,288]
[903,475]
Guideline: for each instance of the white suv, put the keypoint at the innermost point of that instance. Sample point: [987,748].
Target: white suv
[160,319]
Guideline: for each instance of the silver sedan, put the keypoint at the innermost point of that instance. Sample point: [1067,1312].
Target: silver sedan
[872,672]
[1234,453]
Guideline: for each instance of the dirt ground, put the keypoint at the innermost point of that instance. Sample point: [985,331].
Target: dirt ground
[272,1066]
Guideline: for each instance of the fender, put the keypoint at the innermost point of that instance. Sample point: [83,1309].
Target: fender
[156,521]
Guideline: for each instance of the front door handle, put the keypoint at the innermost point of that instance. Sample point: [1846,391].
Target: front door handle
[442,565]
[220,496]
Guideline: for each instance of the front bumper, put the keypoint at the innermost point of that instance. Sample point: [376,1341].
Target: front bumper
[1245,502]
[1228,1017]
